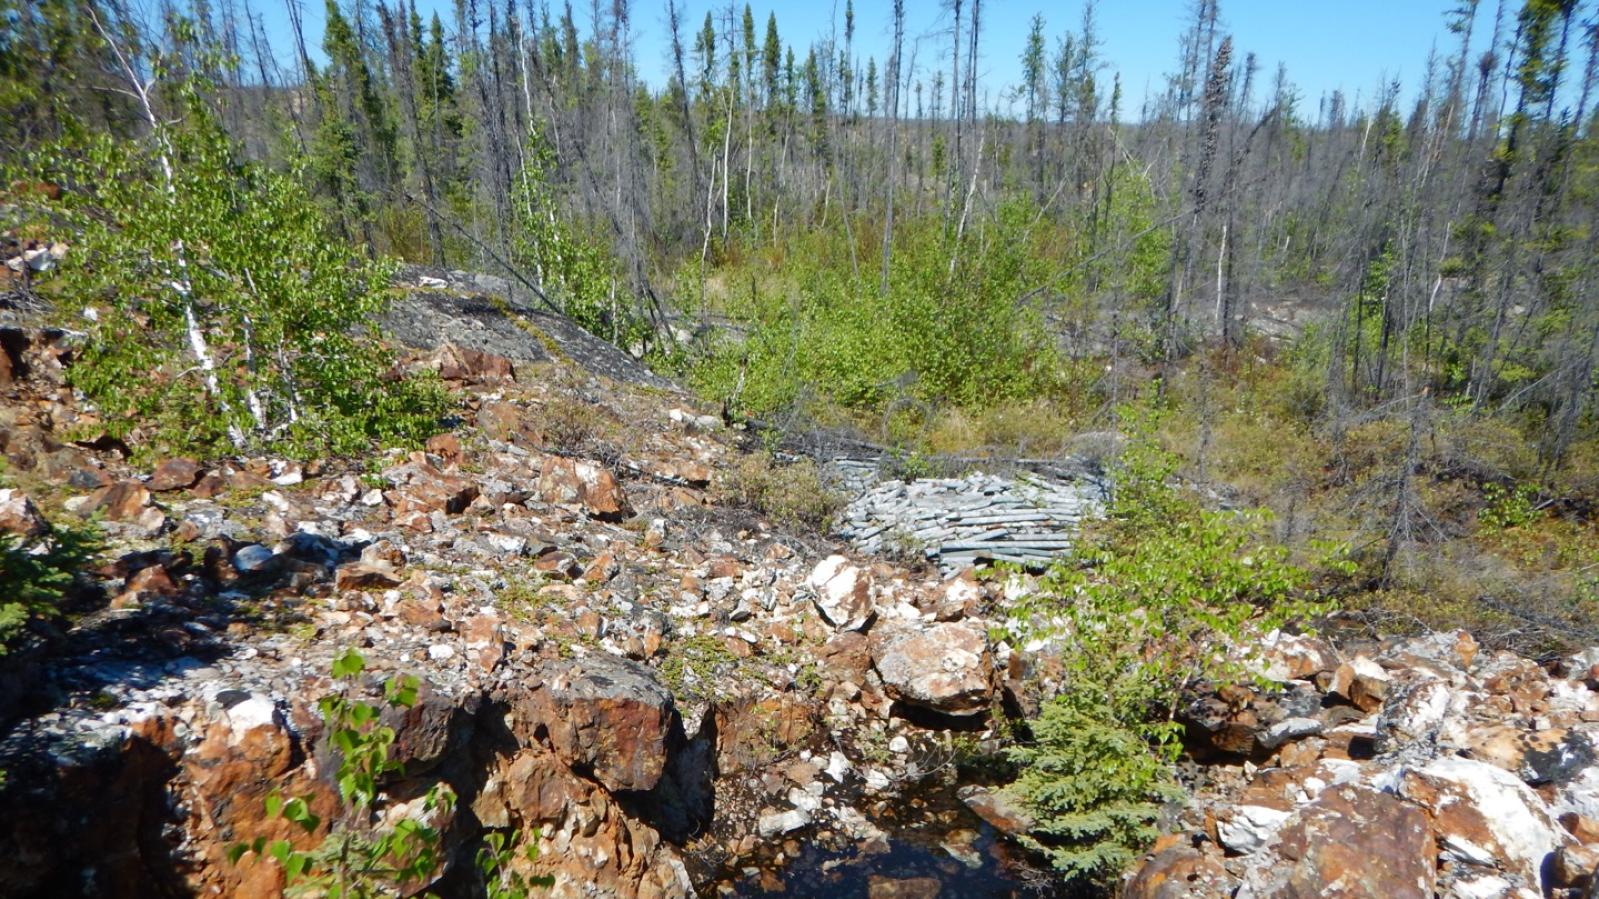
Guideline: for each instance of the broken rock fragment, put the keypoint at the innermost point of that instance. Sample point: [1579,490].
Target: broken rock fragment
[583,484]
[944,667]
[607,716]
[843,593]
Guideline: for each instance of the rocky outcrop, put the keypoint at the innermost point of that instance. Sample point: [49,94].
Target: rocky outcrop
[1351,842]
[670,693]
[959,522]
[606,716]
[492,315]
[1419,767]
[604,658]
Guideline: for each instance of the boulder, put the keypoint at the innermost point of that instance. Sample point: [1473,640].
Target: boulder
[425,730]
[446,446]
[1426,713]
[364,576]
[1485,816]
[843,593]
[1578,799]
[607,716]
[19,516]
[253,558]
[500,420]
[466,365]
[422,489]
[1286,657]
[1222,724]
[1546,755]
[846,656]
[91,815]
[1246,828]
[1003,813]
[383,554]
[1179,872]
[772,823]
[122,501]
[1288,730]
[435,492]
[583,484]
[1352,842]
[1574,866]
[1455,649]
[591,846]
[174,474]
[244,755]
[1362,682]
[959,597]
[1522,681]
[944,667]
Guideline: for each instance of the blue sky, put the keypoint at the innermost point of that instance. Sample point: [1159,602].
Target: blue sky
[1350,45]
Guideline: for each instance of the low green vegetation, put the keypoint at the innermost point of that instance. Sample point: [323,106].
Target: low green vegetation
[36,572]
[1163,597]
[791,492]
[357,857]
[940,333]
[695,667]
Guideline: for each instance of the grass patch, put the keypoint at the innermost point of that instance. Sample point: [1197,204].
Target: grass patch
[791,493]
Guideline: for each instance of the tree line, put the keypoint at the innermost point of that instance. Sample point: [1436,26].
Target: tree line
[1448,237]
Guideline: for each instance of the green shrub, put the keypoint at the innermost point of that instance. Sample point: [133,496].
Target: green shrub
[1509,507]
[1095,786]
[1164,596]
[576,269]
[230,315]
[792,493]
[823,331]
[36,571]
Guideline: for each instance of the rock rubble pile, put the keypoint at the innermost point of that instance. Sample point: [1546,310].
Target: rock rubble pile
[1413,768]
[672,693]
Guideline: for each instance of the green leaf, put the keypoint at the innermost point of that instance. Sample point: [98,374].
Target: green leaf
[300,813]
[402,690]
[349,664]
[280,850]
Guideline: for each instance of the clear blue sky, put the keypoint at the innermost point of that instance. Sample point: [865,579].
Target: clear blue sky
[1350,45]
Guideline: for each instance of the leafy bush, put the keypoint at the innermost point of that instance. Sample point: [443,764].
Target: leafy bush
[578,270]
[825,330]
[1162,597]
[36,571]
[230,316]
[358,859]
[1509,507]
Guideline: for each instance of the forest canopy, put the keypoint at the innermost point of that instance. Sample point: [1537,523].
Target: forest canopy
[1354,310]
